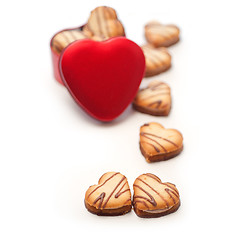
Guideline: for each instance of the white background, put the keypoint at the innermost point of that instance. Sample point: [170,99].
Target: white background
[51,152]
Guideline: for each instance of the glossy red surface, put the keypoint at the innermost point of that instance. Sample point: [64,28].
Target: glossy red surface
[102,77]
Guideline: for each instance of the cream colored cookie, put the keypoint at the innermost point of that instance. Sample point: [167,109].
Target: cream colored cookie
[152,198]
[158,143]
[110,197]
[155,99]
[86,32]
[64,38]
[160,35]
[103,22]
[157,60]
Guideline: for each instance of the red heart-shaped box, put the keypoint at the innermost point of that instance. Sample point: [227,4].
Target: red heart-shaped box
[102,77]
[56,55]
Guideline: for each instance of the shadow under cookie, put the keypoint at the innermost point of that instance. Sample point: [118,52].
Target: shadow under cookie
[156,213]
[150,111]
[108,212]
[160,157]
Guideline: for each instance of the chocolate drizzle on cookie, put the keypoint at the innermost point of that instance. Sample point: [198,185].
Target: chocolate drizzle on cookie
[150,135]
[155,99]
[155,136]
[113,191]
[119,192]
[155,147]
[120,185]
[153,202]
[157,104]
[102,184]
[153,196]
[158,143]
[100,198]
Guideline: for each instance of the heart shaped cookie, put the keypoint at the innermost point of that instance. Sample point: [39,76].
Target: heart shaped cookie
[160,35]
[152,198]
[103,22]
[155,99]
[111,197]
[65,37]
[103,77]
[157,60]
[158,143]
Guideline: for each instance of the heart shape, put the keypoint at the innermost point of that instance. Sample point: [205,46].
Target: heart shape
[102,77]
[158,143]
[103,22]
[160,35]
[155,99]
[152,198]
[110,197]
[158,60]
